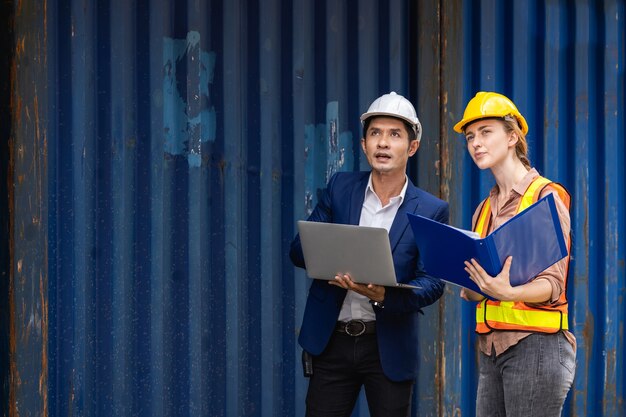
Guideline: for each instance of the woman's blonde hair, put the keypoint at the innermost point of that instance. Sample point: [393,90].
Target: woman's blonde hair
[521,147]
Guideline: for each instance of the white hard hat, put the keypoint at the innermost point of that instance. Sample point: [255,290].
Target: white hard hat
[394,105]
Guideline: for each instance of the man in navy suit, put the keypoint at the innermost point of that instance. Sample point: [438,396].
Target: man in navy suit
[366,335]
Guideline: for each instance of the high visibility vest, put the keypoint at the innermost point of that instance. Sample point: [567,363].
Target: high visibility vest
[516,315]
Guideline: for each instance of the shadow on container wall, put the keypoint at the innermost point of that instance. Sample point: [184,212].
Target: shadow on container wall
[6,46]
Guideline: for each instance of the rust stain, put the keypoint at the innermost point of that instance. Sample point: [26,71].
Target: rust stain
[36,110]
[15,100]
[611,365]
[221,165]
[14,381]
[45,32]
[43,377]
[14,377]
[588,329]
[20,46]
[444,153]
[26,330]
[25,117]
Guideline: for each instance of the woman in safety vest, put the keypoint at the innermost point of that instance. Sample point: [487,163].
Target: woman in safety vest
[527,354]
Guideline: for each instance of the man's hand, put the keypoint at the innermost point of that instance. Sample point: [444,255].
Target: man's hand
[371,291]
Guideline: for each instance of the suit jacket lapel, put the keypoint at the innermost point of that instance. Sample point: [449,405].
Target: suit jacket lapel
[401,222]
[356,200]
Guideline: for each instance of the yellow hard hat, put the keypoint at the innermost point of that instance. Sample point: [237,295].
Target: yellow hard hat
[487,104]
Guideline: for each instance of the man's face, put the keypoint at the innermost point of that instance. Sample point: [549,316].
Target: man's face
[386,145]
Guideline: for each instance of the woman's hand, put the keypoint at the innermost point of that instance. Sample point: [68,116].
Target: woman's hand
[498,287]
[371,291]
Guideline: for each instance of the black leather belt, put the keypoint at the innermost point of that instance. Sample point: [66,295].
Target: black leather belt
[356,328]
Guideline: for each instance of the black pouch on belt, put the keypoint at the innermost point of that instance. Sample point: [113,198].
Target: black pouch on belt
[307,364]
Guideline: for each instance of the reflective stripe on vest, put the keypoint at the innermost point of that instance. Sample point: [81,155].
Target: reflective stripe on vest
[506,315]
[509,315]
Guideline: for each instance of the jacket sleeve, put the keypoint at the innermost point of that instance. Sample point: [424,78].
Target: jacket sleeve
[401,301]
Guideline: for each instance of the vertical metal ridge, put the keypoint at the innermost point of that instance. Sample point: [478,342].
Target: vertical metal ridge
[159,155]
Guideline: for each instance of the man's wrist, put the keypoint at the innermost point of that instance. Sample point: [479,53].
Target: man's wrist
[378,304]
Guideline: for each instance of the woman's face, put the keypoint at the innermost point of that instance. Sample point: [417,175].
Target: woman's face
[488,143]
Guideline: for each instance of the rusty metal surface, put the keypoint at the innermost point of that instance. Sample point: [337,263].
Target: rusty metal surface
[28,194]
[161,152]
[7,42]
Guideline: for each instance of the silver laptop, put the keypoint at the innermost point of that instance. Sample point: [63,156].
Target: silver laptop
[363,252]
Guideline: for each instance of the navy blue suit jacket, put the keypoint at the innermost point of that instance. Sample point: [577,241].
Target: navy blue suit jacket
[396,324]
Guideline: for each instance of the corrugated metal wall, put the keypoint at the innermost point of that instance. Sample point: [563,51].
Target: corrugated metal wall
[6,46]
[162,151]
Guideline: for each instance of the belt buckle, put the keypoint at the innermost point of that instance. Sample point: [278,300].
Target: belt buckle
[350,323]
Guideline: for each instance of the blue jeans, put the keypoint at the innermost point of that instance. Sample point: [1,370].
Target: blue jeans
[347,364]
[531,378]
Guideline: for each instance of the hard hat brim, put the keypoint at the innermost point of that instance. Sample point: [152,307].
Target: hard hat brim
[413,123]
[460,126]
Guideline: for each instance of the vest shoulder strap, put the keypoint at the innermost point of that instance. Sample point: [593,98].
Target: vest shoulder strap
[484,216]
[534,190]
[530,196]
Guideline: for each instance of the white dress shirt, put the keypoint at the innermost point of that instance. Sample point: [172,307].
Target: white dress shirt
[373,214]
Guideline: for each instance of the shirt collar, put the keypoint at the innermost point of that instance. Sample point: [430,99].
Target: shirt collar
[521,187]
[370,189]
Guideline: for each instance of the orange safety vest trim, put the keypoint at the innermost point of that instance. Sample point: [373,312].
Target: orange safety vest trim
[516,315]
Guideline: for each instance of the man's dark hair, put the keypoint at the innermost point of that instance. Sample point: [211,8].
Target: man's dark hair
[407,126]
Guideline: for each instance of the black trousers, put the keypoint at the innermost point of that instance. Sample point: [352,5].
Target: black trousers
[347,364]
